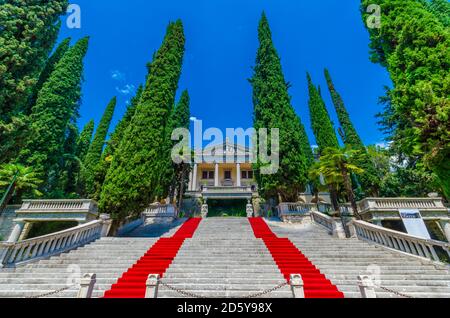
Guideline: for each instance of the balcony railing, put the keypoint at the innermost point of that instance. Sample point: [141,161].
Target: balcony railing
[399,241]
[58,205]
[388,204]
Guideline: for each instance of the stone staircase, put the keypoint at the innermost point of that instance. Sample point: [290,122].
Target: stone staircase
[223,259]
[343,260]
[106,257]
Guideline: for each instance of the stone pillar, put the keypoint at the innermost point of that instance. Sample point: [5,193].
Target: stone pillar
[191,174]
[194,178]
[238,175]
[87,283]
[26,229]
[297,286]
[447,231]
[366,286]
[152,285]
[107,222]
[216,175]
[205,210]
[16,232]
[249,209]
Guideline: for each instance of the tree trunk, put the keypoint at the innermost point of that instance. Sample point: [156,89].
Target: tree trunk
[350,194]
[334,197]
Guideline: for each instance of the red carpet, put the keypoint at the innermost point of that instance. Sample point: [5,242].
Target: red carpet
[291,261]
[156,261]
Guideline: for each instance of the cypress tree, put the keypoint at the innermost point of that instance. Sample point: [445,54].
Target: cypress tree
[131,180]
[70,162]
[369,179]
[28,32]
[47,71]
[441,9]
[94,153]
[179,118]
[323,129]
[56,105]
[84,140]
[113,143]
[273,109]
[320,120]
[415,52]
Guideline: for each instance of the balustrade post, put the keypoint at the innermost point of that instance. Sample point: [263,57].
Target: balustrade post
[297,286]
[447,231]
[4,249]
[366,286]
[87,284]
[106,224]
[352,230]
[16,232]
[152,285]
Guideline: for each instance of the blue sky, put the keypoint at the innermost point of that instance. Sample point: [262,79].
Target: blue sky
[220,52]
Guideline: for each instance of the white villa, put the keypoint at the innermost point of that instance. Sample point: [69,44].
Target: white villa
[224,171]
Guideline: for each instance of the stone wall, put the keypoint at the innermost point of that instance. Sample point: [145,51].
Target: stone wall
[6,221]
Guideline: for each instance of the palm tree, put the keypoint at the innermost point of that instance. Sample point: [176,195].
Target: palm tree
[17,180]
[336,166]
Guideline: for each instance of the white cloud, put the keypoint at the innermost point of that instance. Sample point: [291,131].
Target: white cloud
[126,90]
[117,75]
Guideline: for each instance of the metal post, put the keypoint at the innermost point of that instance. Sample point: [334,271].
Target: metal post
[152,286]
[87,283]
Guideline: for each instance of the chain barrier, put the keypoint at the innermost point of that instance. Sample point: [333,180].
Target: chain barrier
[52,293]
[192,295]
[395,292]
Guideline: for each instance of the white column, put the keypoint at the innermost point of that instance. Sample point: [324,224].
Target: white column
[238,173]
[216,176]
[190,181]
[194,178]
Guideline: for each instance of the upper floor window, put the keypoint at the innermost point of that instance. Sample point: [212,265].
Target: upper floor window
[247,174]
[208,175]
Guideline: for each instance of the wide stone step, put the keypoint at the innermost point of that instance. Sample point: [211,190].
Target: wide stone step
[224,294]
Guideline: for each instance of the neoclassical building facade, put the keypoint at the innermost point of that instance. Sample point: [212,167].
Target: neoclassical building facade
[225,171]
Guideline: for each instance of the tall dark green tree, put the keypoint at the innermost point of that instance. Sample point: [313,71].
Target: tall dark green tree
[113,143]
[130,182]
[273,109]
[320,119]
[171,172]
[323,129]
[412,44]
[94,153]
[70,163]
[84,140]
[441,9]
[29,29]
[56,105]
[369,179]
[47,71]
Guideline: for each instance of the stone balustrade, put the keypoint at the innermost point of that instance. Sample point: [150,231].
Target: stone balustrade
[335,228]
[59,205]
[398,241]
[295,208]
[387,204]
[13,253]
[160,210]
